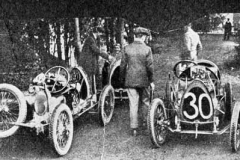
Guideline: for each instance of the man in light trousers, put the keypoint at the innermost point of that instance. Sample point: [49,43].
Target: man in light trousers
[137,69]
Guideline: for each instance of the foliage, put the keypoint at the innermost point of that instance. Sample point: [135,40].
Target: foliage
[159,15]
[208,22]
[34,25]
[30,43]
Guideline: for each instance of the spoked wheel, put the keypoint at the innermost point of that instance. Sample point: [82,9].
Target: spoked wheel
[13,109]
[61,129]
[228,100]
[106,105]
[235,128]
[156,117]
[79,82]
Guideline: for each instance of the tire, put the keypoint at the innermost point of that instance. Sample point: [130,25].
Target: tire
[235,128]
[13,109]
[106,105]
[157,132]
[228,100]
[61,115]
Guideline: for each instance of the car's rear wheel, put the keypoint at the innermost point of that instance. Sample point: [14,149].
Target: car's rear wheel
[235,128]
[156,119]
[61,129]
[13,109]
[228,100]
[106,105]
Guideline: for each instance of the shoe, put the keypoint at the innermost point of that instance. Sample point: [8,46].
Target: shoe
[134,132]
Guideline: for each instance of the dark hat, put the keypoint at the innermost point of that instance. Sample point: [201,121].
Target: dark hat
[141,30]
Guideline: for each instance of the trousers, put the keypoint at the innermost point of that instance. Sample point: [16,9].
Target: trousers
[139,98]
[193,55]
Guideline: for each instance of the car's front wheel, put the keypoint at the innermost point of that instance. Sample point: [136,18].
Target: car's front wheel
[228,100]
[235,128]
[106,105]
[156,122]
[13,109]
[61,129]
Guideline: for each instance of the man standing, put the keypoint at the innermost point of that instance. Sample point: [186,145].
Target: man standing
[192,44]
[137,68]
[227,30]
[89,56]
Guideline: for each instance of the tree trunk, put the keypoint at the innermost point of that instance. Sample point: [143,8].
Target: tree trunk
[58,40]
[106,27]
[66,45]
[12,38]
[120,30]
[78,47]
[112,33]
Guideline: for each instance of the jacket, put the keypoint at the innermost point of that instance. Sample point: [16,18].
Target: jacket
[228,27]
[89,56]
[192,41]
[137,65]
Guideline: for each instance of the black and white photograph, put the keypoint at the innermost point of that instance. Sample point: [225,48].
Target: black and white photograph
[119,80]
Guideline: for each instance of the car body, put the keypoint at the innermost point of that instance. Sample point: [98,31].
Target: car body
[195,102]
[114,81]
[51,104]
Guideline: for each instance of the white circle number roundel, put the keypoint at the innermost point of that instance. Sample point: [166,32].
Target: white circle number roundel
[198,109]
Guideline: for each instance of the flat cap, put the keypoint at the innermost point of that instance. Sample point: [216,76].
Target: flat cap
[141,30]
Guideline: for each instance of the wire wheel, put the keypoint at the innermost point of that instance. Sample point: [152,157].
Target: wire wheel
[156,118]
[13,109]
[61,129]
[235,128]
[106,105]
[228,100]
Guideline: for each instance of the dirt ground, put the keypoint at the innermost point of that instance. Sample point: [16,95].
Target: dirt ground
[114,142]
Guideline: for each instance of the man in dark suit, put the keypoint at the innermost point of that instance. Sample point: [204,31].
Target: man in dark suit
[227,29]
[89,56]
[137,68]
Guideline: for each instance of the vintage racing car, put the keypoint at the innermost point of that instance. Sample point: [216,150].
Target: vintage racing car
[52,102]
[196,102]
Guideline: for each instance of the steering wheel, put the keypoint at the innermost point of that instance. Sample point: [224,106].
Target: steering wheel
[213,77]
[182,69]
[57,78]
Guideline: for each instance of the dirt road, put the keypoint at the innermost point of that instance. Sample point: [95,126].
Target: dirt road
[114,142]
